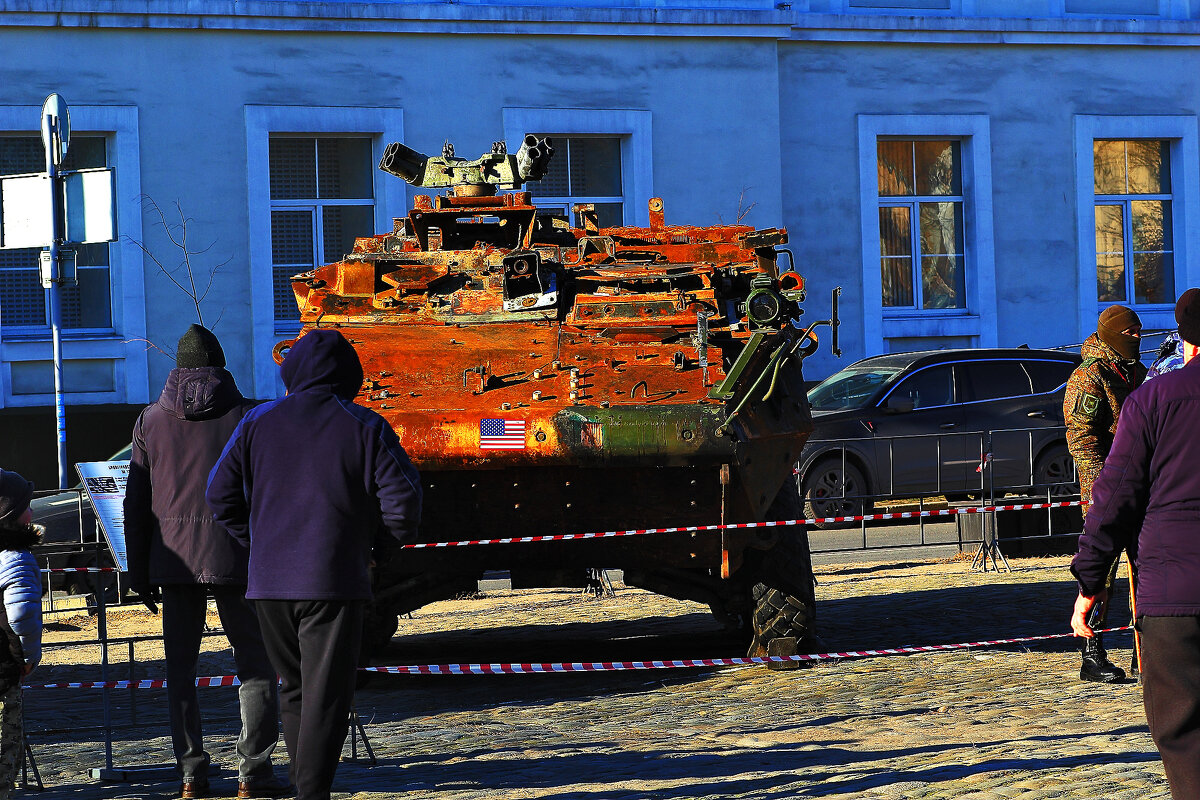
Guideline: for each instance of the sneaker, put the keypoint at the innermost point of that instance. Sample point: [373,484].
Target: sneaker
[269,788]
[193,787]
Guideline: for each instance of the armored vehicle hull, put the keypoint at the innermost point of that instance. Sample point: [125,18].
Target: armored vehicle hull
[556,379]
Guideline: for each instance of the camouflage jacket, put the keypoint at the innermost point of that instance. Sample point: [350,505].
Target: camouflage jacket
[1095,392]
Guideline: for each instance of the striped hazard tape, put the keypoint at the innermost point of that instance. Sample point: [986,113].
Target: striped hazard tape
[598,666]
[563,537]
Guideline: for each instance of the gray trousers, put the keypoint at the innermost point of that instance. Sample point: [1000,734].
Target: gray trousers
[184,607]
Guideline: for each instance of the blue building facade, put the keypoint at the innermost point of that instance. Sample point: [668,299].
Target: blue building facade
[971,172]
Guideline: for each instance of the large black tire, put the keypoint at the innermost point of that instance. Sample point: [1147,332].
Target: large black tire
[834,488]
[782,592]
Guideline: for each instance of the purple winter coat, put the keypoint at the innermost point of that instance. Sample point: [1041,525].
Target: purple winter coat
[1147,498]
[309,481]
[170,533]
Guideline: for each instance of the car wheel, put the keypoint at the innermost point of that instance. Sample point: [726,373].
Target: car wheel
[834,488]
[1055,470]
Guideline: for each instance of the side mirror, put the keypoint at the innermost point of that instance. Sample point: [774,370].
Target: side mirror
[899,405]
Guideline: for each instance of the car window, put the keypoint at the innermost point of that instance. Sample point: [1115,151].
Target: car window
[991,380]
[932,386]
[852,387]
[1049,375]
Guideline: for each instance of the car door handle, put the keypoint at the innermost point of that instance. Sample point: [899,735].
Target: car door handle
[1038,414]
[946,426]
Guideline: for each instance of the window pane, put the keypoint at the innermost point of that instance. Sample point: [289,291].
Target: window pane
[293,167]
[1110,277]
[555,183]
[1048,375]
[1109,166]
[595,167]
[609,215]
[1151,224]
[942,282]
[1110,229]
[1154,278]
[21,154]
[282,295]
[929,387]
[1149,167]
[341,226]
[344,169]
[937,168]
[895,231]
[941,228]
[895,165]
[88,305]
[22,298]
[292,237]
[992,380]
[84,152]
[897,282]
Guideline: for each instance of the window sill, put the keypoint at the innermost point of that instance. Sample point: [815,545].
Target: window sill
[953,322]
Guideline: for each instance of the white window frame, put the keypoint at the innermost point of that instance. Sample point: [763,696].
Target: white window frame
[382,125]
[1181,134]
[632,126]
[126,344]
[978,319]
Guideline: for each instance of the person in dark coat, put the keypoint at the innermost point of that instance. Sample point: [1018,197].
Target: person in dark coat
[1147,501]
[174,543]
[308,482]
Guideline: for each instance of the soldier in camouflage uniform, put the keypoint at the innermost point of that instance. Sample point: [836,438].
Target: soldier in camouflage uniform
[1095,393]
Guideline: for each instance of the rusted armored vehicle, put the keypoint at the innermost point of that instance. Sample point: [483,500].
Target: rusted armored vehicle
[549,378]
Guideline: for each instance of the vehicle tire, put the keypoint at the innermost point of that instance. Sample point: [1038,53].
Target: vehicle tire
[782,593]
[1056,469]
[834,488]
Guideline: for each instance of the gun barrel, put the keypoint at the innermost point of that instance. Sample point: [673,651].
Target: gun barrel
[533,157]
[404,162]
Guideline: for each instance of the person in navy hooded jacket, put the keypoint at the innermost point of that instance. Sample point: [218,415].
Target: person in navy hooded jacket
[308,481]
[1146,500]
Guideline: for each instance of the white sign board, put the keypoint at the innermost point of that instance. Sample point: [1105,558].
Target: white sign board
[104,482]
[24,211]
[90,212]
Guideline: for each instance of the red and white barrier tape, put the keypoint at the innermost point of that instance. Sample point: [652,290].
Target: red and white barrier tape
[596,666]
[562,537]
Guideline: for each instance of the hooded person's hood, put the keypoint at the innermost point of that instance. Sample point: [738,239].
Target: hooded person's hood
[323,359]
[19,537]
[196,393]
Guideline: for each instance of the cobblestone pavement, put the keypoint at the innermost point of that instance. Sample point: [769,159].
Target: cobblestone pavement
[982,724]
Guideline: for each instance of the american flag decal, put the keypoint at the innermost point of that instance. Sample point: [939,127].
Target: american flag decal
[502,434]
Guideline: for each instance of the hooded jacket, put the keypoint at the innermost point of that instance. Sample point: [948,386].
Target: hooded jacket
[310,480]
[21,611]
[170,533]
[1094,395]
[1147,498]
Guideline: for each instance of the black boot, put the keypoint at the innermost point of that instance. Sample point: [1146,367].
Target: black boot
[1096,666]
[1134,672]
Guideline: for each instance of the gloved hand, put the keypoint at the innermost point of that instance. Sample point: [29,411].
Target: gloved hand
[147,594]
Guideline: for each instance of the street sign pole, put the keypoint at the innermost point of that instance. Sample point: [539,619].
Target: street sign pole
[56,133]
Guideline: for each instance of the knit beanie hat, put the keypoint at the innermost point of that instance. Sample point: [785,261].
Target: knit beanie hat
[15,494]
[199,348]
[1115,319]
[1187,314]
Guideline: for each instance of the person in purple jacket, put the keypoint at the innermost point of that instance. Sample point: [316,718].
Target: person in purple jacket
[308,482]
[173,542]
[1146,500]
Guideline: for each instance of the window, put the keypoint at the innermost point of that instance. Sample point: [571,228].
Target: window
[993,380]
[24,304]
[322,198]
[921,224]
[1134,254]
[1049,375]
[933,386]
[584,169]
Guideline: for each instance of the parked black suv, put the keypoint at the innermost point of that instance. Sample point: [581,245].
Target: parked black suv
[923,423]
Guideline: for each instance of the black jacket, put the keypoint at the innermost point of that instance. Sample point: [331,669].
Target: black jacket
[310,480]
[170,532]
